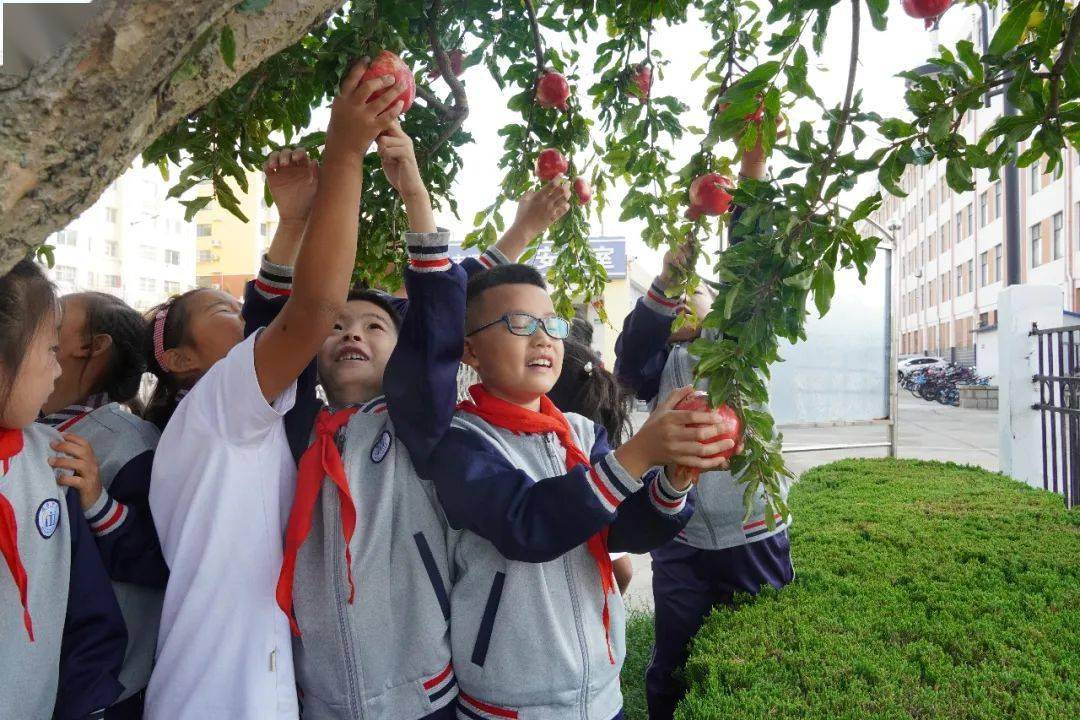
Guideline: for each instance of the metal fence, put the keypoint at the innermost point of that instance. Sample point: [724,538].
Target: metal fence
[1059,406]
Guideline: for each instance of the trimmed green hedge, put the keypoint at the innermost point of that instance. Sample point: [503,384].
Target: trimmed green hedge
[922,590]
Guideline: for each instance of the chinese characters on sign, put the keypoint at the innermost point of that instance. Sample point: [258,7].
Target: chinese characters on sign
[610,251]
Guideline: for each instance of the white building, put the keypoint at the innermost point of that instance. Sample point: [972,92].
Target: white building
[951,251]
[132,243]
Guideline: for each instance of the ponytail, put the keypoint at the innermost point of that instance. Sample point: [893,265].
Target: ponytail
[109,315]
[166,328]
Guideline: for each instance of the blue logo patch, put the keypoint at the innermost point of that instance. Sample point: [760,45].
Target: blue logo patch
[48,517]
[381,447]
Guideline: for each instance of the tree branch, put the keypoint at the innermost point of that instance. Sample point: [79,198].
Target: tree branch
[1067,49]
[457,113]
[538,46]
[841,122]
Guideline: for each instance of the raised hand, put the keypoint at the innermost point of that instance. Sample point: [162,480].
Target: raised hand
[355,122]
[292,177]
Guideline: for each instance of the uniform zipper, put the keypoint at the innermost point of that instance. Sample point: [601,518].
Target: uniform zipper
[343,616]
[583,694]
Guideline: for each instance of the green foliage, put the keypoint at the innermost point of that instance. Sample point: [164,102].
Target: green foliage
[639,642]
[921,589]
[793,235]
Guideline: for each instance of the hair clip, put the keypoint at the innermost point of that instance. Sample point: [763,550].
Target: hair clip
[588,368]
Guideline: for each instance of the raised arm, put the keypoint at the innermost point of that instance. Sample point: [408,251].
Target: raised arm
[326,257]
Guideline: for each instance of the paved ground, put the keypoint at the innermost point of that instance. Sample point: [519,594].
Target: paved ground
[928,431]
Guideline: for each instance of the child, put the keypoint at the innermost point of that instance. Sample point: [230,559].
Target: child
[540,499]
[102,364]
[720,552]
[223,474]
[585,387]
[61,630]
[365,572]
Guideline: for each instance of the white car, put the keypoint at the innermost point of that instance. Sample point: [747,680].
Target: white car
[905,367]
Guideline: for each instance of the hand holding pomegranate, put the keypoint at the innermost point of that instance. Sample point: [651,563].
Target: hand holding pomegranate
[540,209]
[550,164]
[356,116]
[673,437]
[387,63]
[730,428]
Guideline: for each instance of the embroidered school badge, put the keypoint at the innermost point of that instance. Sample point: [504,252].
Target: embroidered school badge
[48,517]
[381,447]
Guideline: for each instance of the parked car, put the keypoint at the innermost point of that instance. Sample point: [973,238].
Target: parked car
[910,365]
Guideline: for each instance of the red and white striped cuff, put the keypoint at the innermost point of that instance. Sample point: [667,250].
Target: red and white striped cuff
[492,257]
[429,252]
[665,498]
[274,280]
[611,483]
[105,515]
[656,299]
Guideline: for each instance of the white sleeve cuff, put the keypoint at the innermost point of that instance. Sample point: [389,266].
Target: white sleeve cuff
[656,299]
[430,251]
[664,497]
[611,482]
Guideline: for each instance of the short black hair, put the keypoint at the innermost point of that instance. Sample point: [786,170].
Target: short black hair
[382,300]
[509,274]
[27,302]
[109,315]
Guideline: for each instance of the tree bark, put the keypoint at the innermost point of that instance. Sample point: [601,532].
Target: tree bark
[78,119]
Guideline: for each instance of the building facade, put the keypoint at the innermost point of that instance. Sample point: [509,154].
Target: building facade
[951,255]
[132,243]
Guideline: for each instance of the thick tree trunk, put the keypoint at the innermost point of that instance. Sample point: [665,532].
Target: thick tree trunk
[77,120]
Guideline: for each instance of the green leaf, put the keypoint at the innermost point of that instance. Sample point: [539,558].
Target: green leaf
[958,175]
[824,285]
[1012,27]
[194,205]
[227,44]
[801,280]
[877,13]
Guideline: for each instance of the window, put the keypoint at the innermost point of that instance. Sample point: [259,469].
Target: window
[931,245]
[148,252]
[944,282]
[147,284]
[984,202]
[111,214]
[959,226]
[970,217]
[984,268]
[264,229]
[112,248]
[1057,231]
[172,288]
[942,188]
[997,263]
[111,281]
[1034,176]
[984,319]
[944,235]
[1036,245]
[67,238]
[203,230]
[172,257]
[970,274]
[65,274]
[959,280]
[205,256]
[997,199]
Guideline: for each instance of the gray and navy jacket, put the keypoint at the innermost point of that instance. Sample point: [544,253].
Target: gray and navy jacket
[70,669]
[121,524]
[386,655]
[526,604]
[653,368]
[266,295]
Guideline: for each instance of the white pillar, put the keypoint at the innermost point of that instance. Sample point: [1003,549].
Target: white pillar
[1019,426]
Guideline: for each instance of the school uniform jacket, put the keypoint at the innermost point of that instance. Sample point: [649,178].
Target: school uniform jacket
[527,632]
[123,529]
[645,362]
[70,669]
[265,296]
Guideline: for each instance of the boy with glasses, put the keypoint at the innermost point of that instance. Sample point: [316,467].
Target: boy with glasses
[539,499]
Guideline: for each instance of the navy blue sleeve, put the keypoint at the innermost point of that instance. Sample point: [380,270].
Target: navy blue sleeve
[471,266]
[264,298]
[130,549]
[420,382]
[526,520]
[643,524]
[95,637]
[641,350]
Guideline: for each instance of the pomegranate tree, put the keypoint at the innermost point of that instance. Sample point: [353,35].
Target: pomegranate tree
[709,195]
[387,63]
[550,164]
[552,91]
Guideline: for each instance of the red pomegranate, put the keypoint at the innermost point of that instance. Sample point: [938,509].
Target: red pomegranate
[642,82]
[457,64]
[582,190]
[552,91]
[925,9]
[387,63]
[709,194]
[550,164]
[693,213]
[731,428]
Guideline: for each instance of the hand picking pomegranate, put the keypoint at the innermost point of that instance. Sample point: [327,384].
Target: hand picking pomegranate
[925,9]
[730,429]
[582,190]
[387,63]
[552,91]
[641,80]
[709,195]
[550,164]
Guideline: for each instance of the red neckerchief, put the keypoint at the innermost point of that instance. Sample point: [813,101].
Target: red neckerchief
[320,460]
[508,416]
[11,444]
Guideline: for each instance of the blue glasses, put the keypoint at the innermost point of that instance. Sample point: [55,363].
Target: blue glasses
[524,324]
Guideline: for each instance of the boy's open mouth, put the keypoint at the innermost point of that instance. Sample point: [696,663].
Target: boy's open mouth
[351,353]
